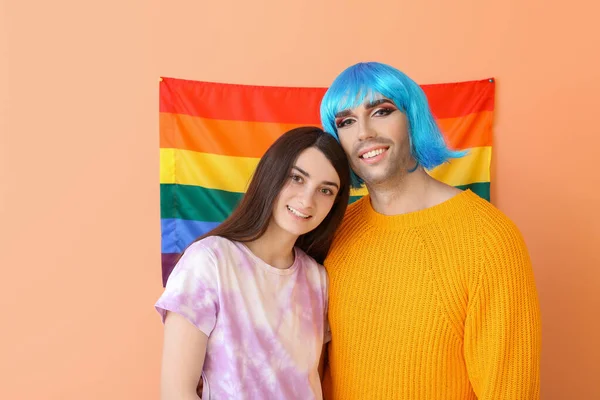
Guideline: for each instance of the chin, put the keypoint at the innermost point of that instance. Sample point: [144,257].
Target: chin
[295,231]
[377,177]
[304,232]
[374,179]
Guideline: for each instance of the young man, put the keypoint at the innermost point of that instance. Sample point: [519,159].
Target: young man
[432,294]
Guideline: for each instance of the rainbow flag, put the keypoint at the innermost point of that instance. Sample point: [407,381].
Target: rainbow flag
[212,136]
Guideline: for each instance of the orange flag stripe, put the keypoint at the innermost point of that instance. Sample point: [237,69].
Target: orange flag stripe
[251,139]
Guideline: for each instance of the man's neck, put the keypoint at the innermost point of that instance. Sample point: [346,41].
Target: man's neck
[411,192]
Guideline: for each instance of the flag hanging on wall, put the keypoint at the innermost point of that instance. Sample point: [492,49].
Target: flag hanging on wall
[212,136]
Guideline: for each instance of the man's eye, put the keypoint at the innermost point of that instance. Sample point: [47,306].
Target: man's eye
[344,122]
[383,111]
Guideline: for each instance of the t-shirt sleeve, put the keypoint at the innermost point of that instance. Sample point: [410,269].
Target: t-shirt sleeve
[192,289]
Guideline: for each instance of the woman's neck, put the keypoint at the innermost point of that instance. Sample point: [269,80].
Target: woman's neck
[274,247]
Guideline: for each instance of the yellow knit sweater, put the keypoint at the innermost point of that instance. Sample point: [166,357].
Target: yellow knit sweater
[437,304]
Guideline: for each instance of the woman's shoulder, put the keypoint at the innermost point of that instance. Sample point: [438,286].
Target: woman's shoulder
[309,263]
[212,246]
[211,242]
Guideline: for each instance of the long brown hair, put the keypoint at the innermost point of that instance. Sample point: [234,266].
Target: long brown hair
[251,217]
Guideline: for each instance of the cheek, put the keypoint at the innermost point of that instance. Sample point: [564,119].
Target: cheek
[346,141]
[325,205]
[399,128]
[286,192]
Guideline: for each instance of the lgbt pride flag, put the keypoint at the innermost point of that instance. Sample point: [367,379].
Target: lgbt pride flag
[212,136]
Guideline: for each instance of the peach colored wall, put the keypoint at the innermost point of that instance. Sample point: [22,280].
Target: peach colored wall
[79,199]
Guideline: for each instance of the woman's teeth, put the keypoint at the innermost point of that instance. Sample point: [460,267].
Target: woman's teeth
[297,213]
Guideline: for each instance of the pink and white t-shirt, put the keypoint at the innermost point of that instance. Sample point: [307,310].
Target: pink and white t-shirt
[265,326]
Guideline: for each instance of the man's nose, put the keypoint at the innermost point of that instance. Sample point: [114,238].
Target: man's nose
[366,131]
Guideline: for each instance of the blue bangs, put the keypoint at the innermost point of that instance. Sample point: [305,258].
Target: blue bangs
[356,85]
[369,81]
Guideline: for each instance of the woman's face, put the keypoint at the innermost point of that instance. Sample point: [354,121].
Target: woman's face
[308,195]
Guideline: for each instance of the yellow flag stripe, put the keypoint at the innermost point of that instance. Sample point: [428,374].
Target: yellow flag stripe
[233,174]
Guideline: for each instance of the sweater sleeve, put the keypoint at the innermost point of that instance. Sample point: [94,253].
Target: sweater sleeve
[502,341]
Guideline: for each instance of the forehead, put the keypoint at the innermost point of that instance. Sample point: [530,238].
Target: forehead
[314,162]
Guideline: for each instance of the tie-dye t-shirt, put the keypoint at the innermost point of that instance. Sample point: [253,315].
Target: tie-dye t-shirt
[265,326]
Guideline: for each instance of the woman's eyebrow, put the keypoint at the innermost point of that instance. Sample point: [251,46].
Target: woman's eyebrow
[303,172]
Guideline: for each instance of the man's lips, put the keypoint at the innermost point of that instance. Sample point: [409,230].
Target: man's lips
[372,151]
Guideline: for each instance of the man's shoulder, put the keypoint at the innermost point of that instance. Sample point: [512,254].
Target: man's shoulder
[495,227]
[487,213]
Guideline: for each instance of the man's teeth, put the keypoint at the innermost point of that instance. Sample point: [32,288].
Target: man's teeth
[373,153]
[297,213]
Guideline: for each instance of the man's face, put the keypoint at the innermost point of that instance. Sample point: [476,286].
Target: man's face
[375,138]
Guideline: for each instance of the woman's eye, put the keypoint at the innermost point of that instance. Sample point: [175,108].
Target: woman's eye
[296,178]
[326,191]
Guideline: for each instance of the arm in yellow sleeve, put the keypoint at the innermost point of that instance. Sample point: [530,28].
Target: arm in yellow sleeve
[502,341]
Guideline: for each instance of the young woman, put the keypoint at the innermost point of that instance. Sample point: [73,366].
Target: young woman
[245,308]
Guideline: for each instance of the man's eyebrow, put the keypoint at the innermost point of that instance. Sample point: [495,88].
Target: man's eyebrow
[375,103]
[343,113]
[303,172]
[368,106]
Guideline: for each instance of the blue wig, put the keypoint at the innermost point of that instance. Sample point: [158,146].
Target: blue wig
[365,81]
